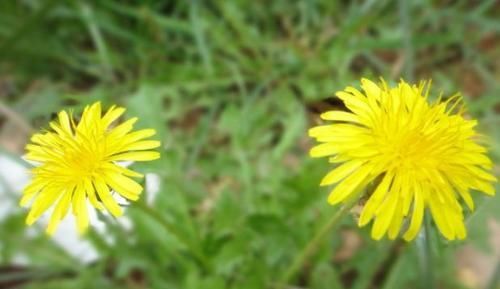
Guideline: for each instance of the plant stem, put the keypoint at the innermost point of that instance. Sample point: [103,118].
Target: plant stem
[195,250]
[425,256]
[313,244]
[409,54]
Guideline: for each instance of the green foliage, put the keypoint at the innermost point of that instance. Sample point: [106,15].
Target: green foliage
[232,87]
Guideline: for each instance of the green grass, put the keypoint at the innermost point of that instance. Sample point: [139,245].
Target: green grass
[232,87]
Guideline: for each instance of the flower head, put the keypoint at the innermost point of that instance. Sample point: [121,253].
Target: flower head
[417,154]
[78,162]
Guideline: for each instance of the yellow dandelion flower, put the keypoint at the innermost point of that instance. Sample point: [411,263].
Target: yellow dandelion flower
[418,154]
[79,162]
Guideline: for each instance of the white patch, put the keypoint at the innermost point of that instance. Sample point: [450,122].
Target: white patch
[67,237]
[13,178]
[126,223]
[152,187]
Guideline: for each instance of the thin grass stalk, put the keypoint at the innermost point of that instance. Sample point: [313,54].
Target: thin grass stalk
[313,245]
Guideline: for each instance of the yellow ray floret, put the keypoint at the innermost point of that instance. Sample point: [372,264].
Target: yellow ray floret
[420,155]
[77,164]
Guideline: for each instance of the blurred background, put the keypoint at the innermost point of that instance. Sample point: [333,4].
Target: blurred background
[232,87]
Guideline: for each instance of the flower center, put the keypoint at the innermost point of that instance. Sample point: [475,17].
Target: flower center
[86,159]
[410,150]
